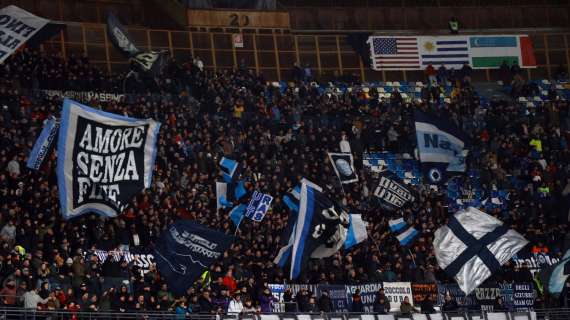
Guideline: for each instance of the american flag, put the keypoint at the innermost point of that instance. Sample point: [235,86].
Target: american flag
[394,53]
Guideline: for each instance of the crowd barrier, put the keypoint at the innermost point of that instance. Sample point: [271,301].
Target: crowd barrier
[555,314]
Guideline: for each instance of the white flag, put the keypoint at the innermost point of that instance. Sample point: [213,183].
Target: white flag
[473,246]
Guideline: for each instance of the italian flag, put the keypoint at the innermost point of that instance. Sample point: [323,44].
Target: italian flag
[489,52]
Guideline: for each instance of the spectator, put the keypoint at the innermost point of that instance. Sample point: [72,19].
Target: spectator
[449,304]
[427,305]
[357,305]
[266,300]
[32,299]
[453,25]
[381,303]
[236,306]
[325,302]
[499,306]
[406,307]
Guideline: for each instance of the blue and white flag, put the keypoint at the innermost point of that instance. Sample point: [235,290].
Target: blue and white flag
[453,51]
[229,168]
[185,250]
[473,246]
[356,231]
[237,213]
[103,159]
[442,147]
[320,228]
[258,206]
[44,144]
[405,233]
[554,277]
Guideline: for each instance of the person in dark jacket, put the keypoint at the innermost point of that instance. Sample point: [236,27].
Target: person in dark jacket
[290,304]
[357,305]
[381,304]
[205,302]
[303,300]
[325,302]
[449,305]
[499,306]
[427,305]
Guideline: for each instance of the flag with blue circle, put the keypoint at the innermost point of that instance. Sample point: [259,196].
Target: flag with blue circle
[442,147]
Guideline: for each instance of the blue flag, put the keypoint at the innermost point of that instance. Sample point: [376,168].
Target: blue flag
[405,234]
[442,147]
[229,168]
[43,145]
[185,250]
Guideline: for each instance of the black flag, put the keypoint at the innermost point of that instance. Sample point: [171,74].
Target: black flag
[185,250]
[393,193]
[103,159]
[343,165]
[151,61]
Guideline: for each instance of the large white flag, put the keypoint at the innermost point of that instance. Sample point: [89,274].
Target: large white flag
[473,246]
[16,27]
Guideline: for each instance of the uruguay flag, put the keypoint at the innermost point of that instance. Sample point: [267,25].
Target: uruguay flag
[442,147]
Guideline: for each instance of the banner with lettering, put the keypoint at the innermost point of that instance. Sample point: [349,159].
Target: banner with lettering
[367,292]
[422,290]
[104,159]
[84,96]
[337,293]
[523,296]
[278,290]
[17,26]
[396,292]
[507,293]
[534,261]
[486,295]
[463,301]
[258,206]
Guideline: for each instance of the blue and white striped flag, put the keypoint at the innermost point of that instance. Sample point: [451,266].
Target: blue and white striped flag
[452,52]
[405,234]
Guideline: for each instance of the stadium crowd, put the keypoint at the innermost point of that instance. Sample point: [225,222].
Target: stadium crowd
[278,136]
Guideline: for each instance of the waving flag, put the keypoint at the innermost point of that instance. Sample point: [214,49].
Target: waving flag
[343,165]
[319,231]
[554,277]
[103,159]
[185,250]
[356,231]
[473,246]
[392,193]
[405,234]
[442,147]
[44,144]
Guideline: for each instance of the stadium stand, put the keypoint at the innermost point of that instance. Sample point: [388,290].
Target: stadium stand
[279,126]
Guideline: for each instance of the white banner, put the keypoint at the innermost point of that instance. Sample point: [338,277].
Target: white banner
[85,96]
[396,292]
[16,27]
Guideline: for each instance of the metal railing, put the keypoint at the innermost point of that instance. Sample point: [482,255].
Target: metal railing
[20,313]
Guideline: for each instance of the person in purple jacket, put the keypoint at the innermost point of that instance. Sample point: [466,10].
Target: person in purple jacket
[266,300]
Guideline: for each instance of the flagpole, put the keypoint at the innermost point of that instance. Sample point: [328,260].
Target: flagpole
[237,228]
[412,255]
